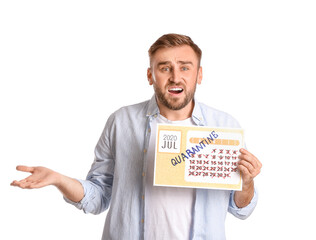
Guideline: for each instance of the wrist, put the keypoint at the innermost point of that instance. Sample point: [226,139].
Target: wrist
[58,180]
[249,185]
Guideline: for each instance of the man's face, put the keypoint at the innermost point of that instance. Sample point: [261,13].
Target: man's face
[174,73]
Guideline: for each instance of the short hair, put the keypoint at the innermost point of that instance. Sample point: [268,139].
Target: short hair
[174,40]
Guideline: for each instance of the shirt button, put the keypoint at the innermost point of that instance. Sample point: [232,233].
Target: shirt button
[142,220]
[145,150]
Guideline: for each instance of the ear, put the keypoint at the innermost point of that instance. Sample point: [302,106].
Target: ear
[200,76]
[150,76]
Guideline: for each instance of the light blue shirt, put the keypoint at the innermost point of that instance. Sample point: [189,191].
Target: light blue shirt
[117,176]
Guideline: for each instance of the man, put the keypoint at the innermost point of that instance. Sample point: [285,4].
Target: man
[121,175]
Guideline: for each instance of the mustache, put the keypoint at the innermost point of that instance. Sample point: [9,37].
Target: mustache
[175,85]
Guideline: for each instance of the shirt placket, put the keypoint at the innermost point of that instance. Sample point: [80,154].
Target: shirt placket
[146,144]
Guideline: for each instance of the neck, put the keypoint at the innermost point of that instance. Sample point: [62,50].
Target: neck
[176,115]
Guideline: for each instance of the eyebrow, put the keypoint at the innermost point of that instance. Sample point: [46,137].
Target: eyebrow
[181,62]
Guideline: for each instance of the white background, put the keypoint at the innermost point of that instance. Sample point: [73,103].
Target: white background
[65,66]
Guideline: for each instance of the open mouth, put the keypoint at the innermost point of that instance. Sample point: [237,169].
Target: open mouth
[175,90]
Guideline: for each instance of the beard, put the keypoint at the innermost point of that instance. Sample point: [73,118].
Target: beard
[173,103]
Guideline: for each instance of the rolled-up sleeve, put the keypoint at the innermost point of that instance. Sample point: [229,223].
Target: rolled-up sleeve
[89,195]
[245,212]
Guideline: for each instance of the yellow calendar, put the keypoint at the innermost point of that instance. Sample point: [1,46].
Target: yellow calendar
[198,157]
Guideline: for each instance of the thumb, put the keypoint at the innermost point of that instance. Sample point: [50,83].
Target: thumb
[25,169]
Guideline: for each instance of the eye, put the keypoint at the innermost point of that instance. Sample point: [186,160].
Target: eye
[165,69]
[184,68]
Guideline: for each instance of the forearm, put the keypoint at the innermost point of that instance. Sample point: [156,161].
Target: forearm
[244,197]
[70,188]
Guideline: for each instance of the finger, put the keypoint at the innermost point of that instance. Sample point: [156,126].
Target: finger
[248,159]
[252,158]
[34,184]
[25,169]
[20,184]
[254,171]
[245,174]
[244,164]
[24,184]
[244,171]
[246,152]
[14,183]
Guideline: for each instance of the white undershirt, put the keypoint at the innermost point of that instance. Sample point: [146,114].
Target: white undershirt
[168,210]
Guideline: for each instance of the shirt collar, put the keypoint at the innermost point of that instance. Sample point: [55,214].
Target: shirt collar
[152,107]
[197,115]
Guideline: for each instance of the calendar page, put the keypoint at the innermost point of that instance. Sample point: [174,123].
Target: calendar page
[198,157]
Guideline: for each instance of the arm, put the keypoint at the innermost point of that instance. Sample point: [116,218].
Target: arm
[249,166]
[98,184]
[91,195]
[42,177]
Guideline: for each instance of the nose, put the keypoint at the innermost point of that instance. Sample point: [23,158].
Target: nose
[175,76]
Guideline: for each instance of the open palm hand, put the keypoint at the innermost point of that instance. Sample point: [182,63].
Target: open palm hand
[40,177]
